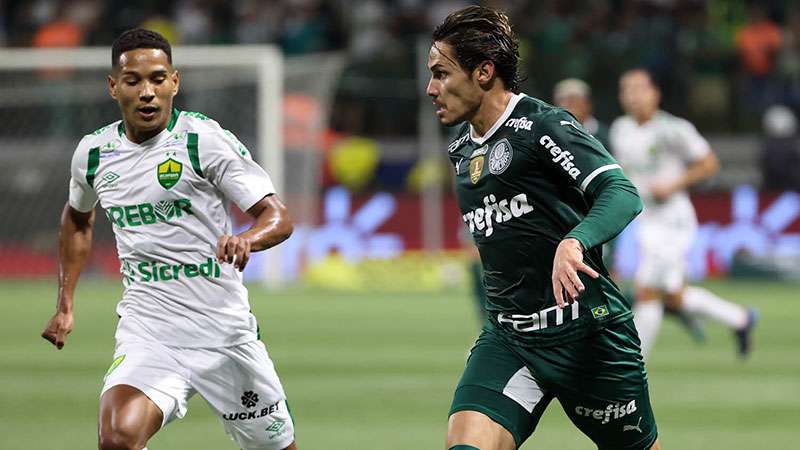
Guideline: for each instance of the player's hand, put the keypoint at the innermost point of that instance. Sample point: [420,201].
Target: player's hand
[661,192]
[235,250]
[566,264]
[57,329]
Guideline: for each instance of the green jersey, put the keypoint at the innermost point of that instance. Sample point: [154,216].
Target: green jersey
[522,188]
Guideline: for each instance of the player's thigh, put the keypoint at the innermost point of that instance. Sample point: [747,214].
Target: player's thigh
[602,386]
[242,387]
[127,417]
[150,369]
[496,385]
[478,430]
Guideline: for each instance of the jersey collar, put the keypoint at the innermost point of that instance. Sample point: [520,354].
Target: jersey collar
[155,140]
[499,123]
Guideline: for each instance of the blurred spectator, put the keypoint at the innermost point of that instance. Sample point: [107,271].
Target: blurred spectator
[258,22]
[758,44]
[780,158]
[789,59]
[62,31]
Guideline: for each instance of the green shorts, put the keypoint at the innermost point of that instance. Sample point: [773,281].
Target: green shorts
[599,380]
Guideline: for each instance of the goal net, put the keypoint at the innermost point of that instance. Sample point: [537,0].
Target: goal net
[49,99]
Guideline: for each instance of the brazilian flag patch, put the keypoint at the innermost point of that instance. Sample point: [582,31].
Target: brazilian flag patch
[599,311]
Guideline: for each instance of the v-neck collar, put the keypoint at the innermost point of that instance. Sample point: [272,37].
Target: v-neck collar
[498,123]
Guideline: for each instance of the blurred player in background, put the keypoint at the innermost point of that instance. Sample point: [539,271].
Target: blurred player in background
[665,155]
[165,178]
[575,96]
[540,195]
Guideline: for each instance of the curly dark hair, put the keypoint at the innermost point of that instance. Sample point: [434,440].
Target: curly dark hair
[138,38]
[479,34]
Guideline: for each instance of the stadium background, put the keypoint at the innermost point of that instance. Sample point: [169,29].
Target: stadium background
[371,316]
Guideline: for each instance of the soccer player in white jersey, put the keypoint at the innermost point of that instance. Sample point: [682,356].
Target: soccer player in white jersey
[664,155]
[165,178]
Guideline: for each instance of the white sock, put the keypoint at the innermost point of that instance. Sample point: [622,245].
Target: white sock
[700,301]
[647,318]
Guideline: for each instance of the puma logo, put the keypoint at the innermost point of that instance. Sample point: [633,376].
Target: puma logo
[632,427]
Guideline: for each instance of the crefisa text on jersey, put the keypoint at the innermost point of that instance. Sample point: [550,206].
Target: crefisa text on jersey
[560,156]
[520,123]
[504,210]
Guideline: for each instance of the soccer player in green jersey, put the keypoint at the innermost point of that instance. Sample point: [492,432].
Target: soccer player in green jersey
[165,179]
[540,196]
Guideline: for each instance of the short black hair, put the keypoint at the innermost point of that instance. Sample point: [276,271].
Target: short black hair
[479,34]
[138,38]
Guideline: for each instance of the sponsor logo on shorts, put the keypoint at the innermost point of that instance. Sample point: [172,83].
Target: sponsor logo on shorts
[611,412]
[276,429]
[633,427]
[254,414]
[562,157]
[249,399]
[553,316]
[481,219]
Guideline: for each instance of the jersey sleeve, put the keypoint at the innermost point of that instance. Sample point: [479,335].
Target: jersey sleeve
[230,168]
[687,142]
[571,152]
[82,196]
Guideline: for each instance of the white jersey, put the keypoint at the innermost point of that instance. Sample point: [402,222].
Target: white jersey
[167,200]
[655,153]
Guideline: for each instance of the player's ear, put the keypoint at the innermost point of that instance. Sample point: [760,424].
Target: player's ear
[176,82]
[112,86]
[484,72]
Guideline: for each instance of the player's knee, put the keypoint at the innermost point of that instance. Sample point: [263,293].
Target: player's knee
[656,445]
[118,440]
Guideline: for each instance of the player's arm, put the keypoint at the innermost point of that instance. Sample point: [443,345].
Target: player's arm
[74,245]
[271,226]
[613,198]
[693,148]
[697,171]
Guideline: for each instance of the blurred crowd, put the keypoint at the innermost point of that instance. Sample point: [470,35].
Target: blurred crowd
[720,63]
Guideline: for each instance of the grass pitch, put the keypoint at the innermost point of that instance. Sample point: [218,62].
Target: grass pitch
[377,371]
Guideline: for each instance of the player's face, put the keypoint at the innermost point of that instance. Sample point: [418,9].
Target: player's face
[638,96]
[144,84]
[455,94]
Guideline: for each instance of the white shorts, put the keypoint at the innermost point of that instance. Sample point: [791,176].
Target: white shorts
[664,244]
[239,383]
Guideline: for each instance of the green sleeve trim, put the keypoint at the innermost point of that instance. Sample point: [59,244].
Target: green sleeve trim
[194,156]
[174,119]
[94,163]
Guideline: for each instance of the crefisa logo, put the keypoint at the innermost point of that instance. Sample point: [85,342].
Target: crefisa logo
[611,412]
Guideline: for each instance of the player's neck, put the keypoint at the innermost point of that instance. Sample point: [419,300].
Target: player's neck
[139,136]
[646,117]
[492,107]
